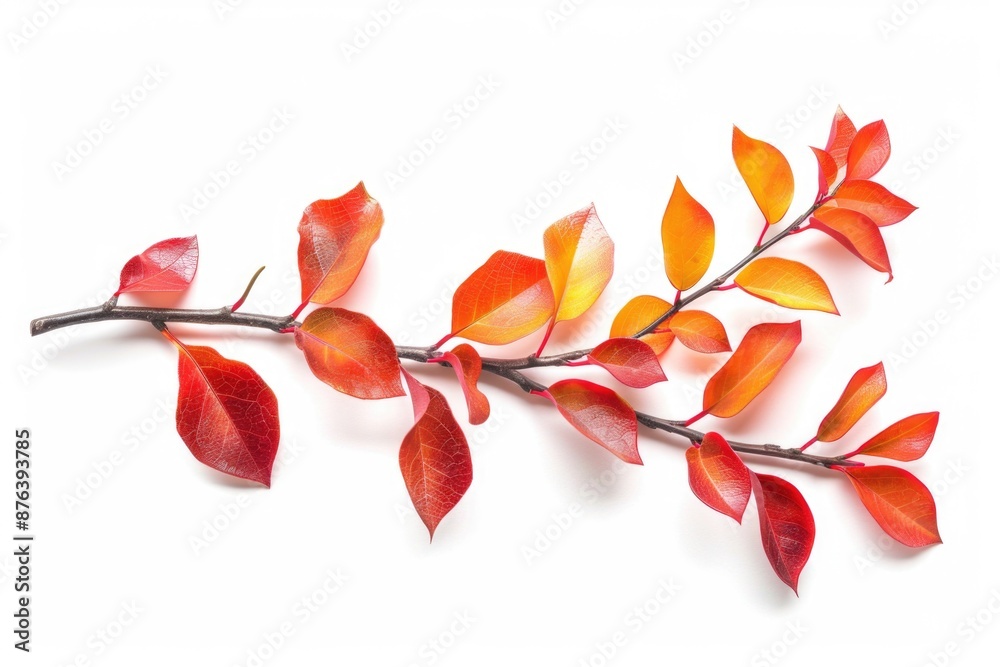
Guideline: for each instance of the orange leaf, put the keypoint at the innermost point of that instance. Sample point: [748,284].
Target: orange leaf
[638,314]
[787,283]
[688,235]
[763,352]
[827,170]
[350,353]
[718,476]
[873,200]
[898,501]
[699,331]
[842,133]
[864,390]
[469,366]
[869,151]
[335,236]
[505,299]
[579,259]
[601,415]
[906,440]
[766,172]
[434,456]
[630,361]
[856,232]
[787,528]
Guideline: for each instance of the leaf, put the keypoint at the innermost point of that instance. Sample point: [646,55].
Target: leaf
[873,200]
[827,170]
[630,361]
[699,331]
[756,361]
[688,234]
[167,266]
[718,476]
[869,151]
[505,299]
[766,172]
[579,259]
[226,414]
[434,457]
[469,366]
[787,529]
[842,133]
[335,236]
[601,415]
[639,313]
[898,502]
[906,440]
[856,232]
[787,283]
[350,353]
[864,390]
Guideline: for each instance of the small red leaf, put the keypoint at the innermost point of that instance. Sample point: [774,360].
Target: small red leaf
[869,151]
[873,200]
[718,476]
[787,529]
[827,170]
[699,331]
[898,502]
[630,361]
[842,133]
[906,440]
[601,415]
[167,266]
[434,457]
[863,391]
[856,232]
[469,366]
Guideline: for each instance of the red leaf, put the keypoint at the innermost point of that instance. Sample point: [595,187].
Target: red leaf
[869,151]
[787,529]
[906,440]
[718,476]
[335,236]
[167,266]
[468,367]
[630,361]
[350,353]
[699,331]
[601,415]
[827,170]
[434,457]
[226,414]
[864,390]
[873,200]
[898,501]
[842,134]
[857,233]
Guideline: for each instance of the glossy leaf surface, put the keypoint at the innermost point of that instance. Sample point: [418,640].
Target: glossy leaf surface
[787,283]
[601,415]
[766,172]
[469,366]
[579,259]
[898,502]
[630,361]
[787,528]
[639,313]
[906,440]
[863,391]
[718,477]
[699,331]
[857,233]
[873,200]
[842,133]
[827,170]
[688,235]
[869,151]
[167,266]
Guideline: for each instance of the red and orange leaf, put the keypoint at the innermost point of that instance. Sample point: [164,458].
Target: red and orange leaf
[906,440]
[873,200]
[350,353]
[601,415]
[856,232]
[766,172]
[899,503]
[226,414]
[718,476]
[864,390]
[827,170]
[699,331]
[842,133]
[639,313]
[167,266]
[630,361]
[505,299]
[579,259]
[469,366]
[787,528]
[434,456]
[787,283]
[335,236]
[763,352]
[869,151]
[688,234]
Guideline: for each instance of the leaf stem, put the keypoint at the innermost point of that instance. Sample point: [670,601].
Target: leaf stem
[246,292]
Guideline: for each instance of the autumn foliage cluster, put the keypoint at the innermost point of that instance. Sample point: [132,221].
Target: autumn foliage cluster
[228,416]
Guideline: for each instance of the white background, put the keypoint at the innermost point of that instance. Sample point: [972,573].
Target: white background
[776,69]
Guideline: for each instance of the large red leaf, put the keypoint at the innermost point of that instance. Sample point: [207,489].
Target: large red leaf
[335,236]
[468,366]
[842,133]
[699,331]
[787,529]
[856,232]
[767,174]
[434,457]
[226,414]
[630,361]
[167,266]
[350,353]
[869,151]
[863,391]
[601,415]
[873,200]
[898,501]
[718,476]
[906,440]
